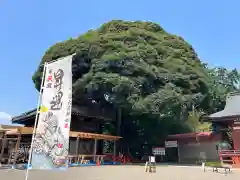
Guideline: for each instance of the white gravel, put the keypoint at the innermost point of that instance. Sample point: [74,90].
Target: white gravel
[120,173]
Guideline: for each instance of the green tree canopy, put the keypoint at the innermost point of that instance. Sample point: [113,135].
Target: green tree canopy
[223,81]
[135,65]
[153,76]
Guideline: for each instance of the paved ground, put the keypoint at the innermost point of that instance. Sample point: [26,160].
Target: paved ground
[120,173]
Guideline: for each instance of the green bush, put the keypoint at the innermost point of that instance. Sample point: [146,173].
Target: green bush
[211,164]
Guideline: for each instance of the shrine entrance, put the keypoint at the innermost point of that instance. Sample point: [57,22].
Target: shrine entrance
[172,151]
[172,155]
[226,123]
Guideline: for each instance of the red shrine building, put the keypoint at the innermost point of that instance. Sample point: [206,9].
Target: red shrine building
[227,122]
[222,143]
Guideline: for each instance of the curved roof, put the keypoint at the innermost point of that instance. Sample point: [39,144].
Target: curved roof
[230,111]
[79,110]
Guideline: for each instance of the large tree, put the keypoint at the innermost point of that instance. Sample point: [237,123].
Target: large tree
[223,81]
[153,76]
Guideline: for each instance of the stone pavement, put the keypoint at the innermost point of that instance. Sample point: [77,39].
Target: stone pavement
[120,173]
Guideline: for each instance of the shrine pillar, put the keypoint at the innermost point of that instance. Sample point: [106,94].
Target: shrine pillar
[236,135]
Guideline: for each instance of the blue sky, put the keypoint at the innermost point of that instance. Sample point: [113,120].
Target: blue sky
[29,28]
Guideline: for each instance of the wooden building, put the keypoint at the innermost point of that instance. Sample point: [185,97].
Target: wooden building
[86,117]
[192,148]
[226,123]
[223,143]
[86,130]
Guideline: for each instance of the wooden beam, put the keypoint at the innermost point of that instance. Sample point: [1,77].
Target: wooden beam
[25,130]
[83,135]
[2,126]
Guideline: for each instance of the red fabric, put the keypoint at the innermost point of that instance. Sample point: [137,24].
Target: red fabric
[66,125]
[50,78]
[60,145]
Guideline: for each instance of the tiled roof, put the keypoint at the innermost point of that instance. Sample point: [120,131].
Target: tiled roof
[85,111]
[232,108]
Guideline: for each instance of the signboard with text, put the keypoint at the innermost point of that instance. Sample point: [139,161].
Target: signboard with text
[158,151]
[171,144]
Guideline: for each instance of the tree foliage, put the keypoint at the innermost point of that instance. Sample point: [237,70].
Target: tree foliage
[223,81]
[137,65]
[153,76]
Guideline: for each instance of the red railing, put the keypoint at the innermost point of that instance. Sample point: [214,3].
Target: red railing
[122,159]
[229,152]
[230,156]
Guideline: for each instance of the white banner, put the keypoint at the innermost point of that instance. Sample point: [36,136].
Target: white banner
[51,143]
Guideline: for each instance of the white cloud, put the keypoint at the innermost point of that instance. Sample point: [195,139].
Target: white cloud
[6,116]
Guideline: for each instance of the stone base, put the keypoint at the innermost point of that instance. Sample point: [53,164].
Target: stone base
[236,165]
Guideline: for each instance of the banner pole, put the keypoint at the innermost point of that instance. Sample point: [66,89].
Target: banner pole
[36,120]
